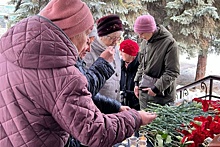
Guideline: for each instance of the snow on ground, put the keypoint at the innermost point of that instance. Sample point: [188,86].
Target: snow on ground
[188,68]
[188,72]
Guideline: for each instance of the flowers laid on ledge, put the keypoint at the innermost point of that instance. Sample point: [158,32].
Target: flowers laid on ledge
[209,104]
[185,125]
[202,127]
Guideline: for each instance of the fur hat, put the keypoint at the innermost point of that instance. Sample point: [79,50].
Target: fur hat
[109,24]
[145,24]
[72,16]
[129,47]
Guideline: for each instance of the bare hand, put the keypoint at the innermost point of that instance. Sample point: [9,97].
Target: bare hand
[124,108]
[108,54]
[136,91]
[150,92]
[147,117]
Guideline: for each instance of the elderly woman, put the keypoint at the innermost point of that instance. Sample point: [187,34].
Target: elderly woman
[100,71]
[109,30]
[44,96]
[129,54]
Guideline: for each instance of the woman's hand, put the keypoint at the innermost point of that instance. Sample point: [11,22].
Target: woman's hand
[124,108]
[108,54]
[136,91]
[147,117]
[150,92]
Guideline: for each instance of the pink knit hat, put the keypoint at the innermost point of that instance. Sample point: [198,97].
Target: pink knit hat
[145,24]
[72,16]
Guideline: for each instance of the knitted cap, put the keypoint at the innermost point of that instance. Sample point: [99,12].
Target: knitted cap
[72,16]
[109,24]
[145,24]
[129,47]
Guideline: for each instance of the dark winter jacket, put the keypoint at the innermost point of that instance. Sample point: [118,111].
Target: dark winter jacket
[127,84]
[97,74]
[160,59]
[44,97]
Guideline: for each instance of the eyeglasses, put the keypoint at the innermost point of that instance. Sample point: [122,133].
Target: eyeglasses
[114,38]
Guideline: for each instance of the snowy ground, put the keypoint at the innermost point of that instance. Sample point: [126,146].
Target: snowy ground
[188,72]
[188,68]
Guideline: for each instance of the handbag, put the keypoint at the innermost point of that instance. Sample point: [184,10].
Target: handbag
[147,82]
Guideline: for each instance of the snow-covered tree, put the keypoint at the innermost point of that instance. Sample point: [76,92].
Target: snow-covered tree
[26,8]
[194,23]
[128,10]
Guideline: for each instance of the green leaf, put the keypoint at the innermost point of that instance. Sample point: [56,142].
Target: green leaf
[198,122]
[164,136]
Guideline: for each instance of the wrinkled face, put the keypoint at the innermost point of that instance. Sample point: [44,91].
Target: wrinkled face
[81,41]
[87,48]
[111,39]
[126,57]
[145,36]
[82,54]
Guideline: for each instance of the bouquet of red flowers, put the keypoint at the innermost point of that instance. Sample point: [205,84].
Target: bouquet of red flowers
[202,127]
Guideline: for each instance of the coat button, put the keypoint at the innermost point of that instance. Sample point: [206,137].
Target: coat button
[116,91]
[116,74]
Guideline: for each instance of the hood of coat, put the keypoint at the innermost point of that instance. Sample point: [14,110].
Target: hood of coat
[159,34]
[35,42]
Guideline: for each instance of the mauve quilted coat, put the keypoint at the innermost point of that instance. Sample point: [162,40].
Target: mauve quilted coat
[43,96]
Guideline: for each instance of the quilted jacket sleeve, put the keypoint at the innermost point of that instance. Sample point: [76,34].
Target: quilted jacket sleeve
[97,74]
[76,113]
[106,105]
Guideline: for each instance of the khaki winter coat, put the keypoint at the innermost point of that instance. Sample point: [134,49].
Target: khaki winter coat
[160,59]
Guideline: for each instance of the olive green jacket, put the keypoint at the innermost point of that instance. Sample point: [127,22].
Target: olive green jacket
[159,58]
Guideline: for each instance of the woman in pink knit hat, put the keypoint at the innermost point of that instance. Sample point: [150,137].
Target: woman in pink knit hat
[44,97]
[159,63]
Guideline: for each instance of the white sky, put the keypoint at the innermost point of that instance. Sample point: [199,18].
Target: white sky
[4,2]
